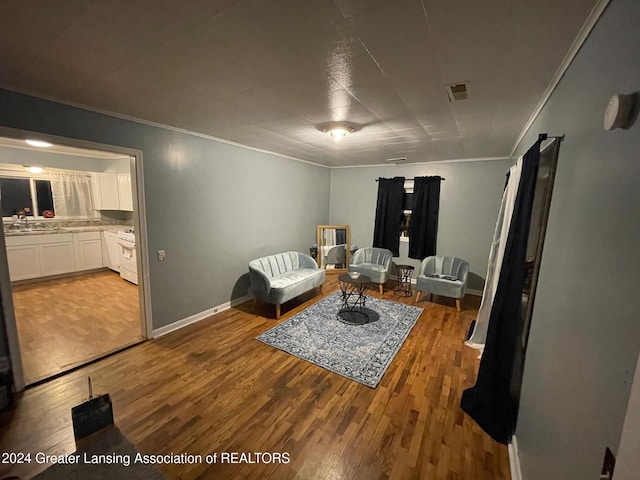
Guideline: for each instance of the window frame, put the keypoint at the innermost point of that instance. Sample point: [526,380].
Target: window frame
[408,188]
[7,173]
[31,193]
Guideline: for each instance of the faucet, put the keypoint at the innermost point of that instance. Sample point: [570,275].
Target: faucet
[22,215]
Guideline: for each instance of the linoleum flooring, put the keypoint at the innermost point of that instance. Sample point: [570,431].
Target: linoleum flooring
[65,322]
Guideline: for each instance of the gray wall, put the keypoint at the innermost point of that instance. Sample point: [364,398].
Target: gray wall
[628,461]
[585,333]
[17,156]
[211,206]
[469,202]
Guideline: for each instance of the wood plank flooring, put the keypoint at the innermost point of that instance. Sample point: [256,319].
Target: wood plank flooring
[66,322]
[211,388]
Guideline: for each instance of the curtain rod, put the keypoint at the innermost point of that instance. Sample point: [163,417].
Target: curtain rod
[411,179]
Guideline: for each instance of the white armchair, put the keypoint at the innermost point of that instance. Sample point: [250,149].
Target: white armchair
[374,263]
[446,276]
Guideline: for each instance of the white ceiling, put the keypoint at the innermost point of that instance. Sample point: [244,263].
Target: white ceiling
[267,73]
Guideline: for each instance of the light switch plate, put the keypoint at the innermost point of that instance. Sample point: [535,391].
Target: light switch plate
[161,255]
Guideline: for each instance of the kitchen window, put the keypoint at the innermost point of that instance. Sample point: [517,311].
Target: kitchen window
[19,194]
[68,195]
[44,196]
[16,196]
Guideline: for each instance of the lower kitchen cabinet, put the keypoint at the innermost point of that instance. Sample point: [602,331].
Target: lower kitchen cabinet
[56,258]
[24,261]
[87,247]
[40,255]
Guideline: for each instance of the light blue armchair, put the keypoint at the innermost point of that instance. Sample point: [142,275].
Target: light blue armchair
[446,276]
[374,263]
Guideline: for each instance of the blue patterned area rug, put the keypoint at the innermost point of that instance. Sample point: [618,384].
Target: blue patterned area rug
[361,351]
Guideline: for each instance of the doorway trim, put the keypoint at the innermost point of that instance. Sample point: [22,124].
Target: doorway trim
[140,225]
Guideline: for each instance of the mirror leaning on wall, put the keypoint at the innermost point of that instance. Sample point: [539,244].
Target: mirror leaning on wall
[333,244]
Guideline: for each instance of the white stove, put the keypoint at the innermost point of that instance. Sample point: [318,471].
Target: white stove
[127,259]
[128,235]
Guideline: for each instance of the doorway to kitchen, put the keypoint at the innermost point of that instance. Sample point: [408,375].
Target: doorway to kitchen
[69,220]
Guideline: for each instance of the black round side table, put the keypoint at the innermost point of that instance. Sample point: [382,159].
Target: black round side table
[353,298]
[403,281]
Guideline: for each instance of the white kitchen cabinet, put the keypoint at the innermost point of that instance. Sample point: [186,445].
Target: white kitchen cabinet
[105,191]
[112,191]
[87,248]
[125,195]
[40,255]
[23,262]
[111,251]
[56,258]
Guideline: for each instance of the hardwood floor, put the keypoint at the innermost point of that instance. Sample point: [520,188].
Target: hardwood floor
[66,322]
[211,388]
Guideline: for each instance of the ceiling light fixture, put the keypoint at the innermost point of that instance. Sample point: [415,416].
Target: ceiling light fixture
[34,169]
[39,143]
[339,130]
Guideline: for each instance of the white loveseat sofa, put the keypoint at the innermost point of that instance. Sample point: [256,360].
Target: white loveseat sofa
[279,278]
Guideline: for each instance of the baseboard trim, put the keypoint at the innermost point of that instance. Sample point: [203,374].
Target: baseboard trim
[514,459]
[159,332]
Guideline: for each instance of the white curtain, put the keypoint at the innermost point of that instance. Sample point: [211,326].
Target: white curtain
[72,195]
[479,335]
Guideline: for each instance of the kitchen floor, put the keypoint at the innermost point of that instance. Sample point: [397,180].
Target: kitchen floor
[70,321]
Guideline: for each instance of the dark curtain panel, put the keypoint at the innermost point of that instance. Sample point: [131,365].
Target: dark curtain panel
[341,236]
[489,401]
[386,233]
[423,229]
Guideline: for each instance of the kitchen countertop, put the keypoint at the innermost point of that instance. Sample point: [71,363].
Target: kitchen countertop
[54,230]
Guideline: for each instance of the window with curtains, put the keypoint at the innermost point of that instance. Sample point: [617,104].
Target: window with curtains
[67,195]
[400,215]
[72,195]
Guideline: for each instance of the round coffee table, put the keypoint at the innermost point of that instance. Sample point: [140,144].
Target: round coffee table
[403,282]
[353,298]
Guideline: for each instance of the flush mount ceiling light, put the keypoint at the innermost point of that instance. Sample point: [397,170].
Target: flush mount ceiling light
[338,130]
[39,143]
[33,169]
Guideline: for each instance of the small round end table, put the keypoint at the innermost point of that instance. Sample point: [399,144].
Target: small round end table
[353,298]
[403,282]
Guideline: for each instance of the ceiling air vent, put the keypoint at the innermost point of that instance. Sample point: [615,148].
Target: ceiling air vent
[396,160]
[457,91]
